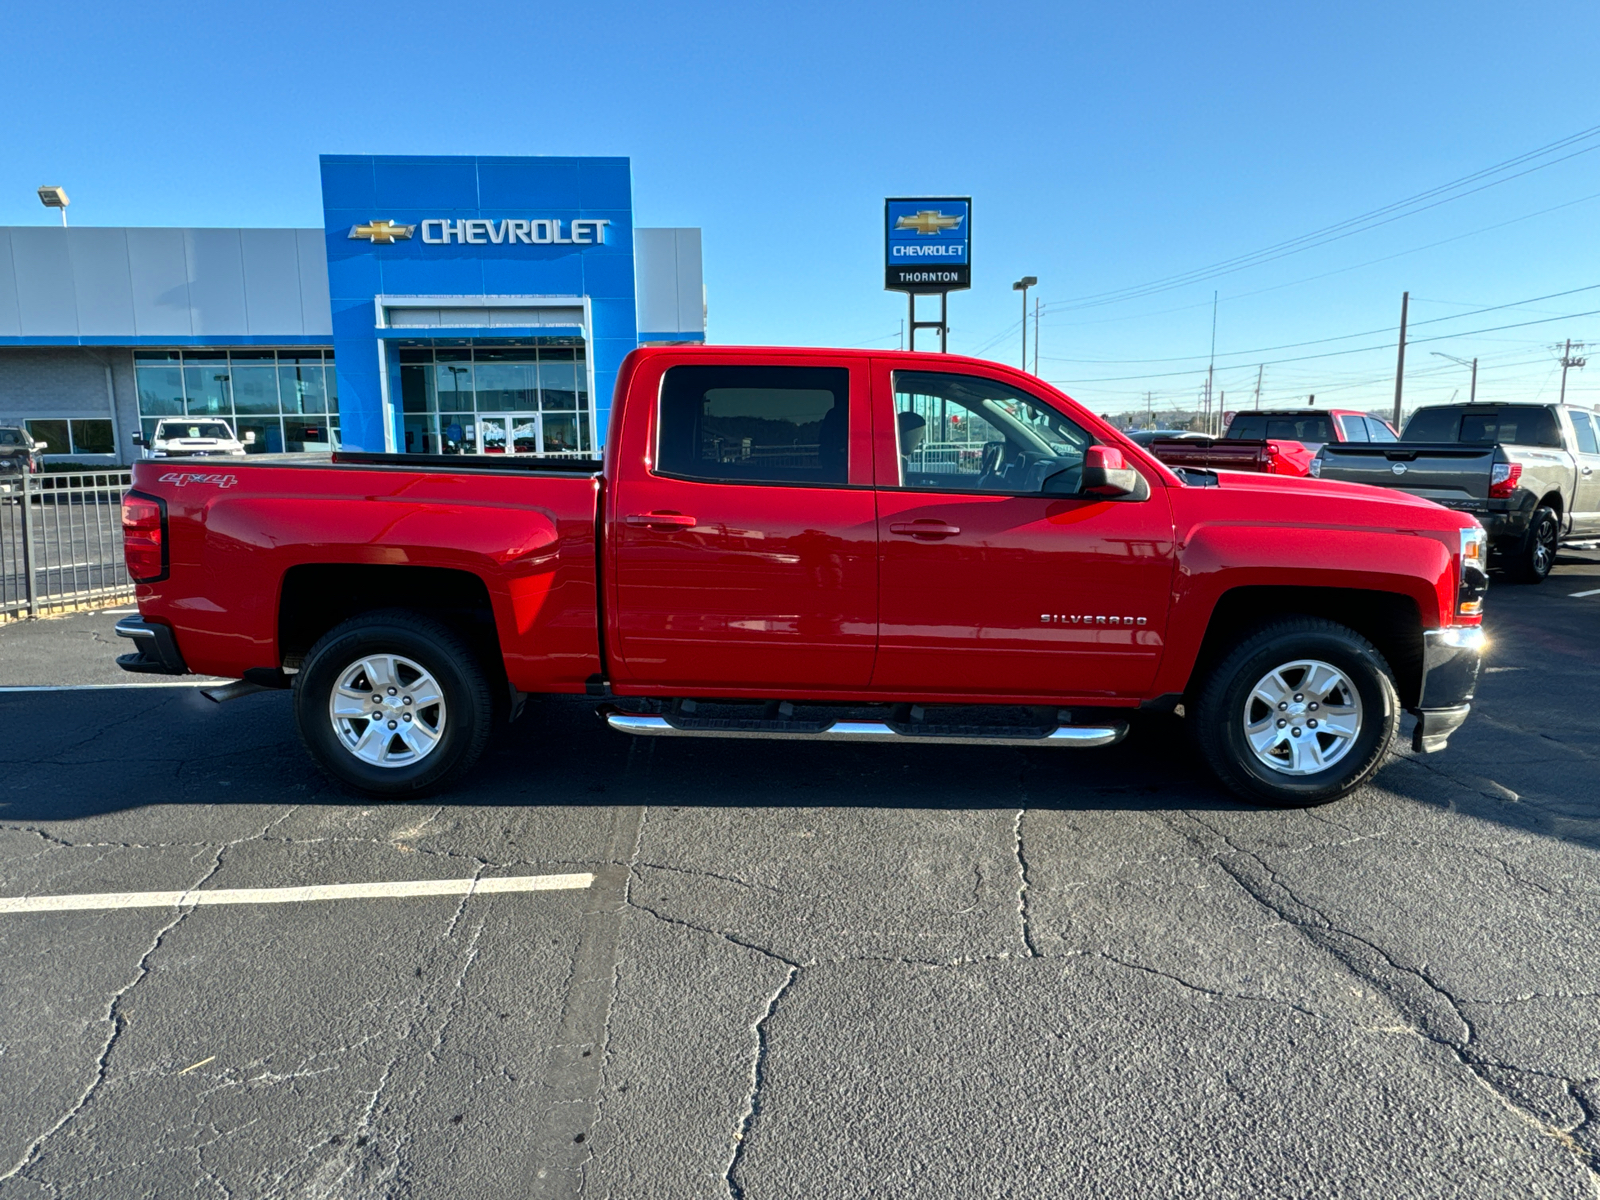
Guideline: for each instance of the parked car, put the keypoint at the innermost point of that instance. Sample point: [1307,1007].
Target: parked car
[19,454]
[1529,473]
[815,544]
[193,437]
[1313,428]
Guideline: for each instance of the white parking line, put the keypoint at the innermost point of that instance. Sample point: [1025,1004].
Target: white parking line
[1580,595]
[102,687]
[296,895]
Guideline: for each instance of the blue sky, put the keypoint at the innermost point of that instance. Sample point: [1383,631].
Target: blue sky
[1104,147]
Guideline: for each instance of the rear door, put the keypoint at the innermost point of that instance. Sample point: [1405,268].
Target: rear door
[989,586]
[742,526]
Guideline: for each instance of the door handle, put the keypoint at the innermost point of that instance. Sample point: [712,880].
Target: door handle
[660,520]
[1588,470]
[925,529]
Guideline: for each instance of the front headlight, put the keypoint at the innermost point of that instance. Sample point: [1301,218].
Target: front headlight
[1474,570]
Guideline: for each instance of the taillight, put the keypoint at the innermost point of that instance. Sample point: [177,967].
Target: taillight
[1472,573]
[144,537]
[1503,480]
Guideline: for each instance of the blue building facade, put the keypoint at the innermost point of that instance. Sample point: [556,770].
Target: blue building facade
[448,305]
[519,269]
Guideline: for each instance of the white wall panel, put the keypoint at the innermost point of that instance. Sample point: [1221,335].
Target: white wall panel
[313,254]
[216,282]
[160,283]
[10,314]
[271,260]
[44,282]
[691,284]
[101,281]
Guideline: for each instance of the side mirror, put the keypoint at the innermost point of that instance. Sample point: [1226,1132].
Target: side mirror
[138,439]
[1106,474]
[249,438]
[40,447]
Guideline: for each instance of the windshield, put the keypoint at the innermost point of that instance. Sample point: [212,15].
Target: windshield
[10,437]
[1288,427]
[193,429]
[1481,424]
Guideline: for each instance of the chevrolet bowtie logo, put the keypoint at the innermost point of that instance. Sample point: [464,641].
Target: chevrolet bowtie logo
[386,232]
[926,221]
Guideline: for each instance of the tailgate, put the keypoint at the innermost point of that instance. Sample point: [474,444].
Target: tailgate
[1215,454]
[1446,472]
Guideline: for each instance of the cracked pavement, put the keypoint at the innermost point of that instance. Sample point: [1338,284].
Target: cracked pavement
[803,969]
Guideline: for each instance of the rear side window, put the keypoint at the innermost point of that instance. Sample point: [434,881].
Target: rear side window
[1378,431]
[755,424]
[1583,427]
[1355,429]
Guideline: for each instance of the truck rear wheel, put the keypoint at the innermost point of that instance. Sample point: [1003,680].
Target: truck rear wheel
[1299,713]
[1531,561]
[393,703]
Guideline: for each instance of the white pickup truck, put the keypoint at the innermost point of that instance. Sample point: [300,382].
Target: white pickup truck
[193,437]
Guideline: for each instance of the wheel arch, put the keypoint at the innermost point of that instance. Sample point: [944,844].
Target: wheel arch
[1391,621]
[316,597]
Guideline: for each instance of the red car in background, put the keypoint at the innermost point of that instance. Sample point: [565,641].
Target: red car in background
[1281,442]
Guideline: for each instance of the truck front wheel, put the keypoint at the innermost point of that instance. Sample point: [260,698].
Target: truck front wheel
[393,703]
[1299,713]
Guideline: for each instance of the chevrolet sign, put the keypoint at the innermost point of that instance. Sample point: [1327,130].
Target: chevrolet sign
[538,231]
[927,244]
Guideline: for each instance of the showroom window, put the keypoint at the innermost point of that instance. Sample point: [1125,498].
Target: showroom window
[287,398]
[90,435]
[528,399]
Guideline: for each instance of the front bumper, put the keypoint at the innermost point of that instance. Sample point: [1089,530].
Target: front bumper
[1451,661]
[157,652]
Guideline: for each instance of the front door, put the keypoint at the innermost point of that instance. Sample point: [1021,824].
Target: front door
[744,533]
[990,586]
[1586,496]
[509,433]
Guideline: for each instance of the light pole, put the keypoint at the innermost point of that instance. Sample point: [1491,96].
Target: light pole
[1472,396]
[1022,285]
[55,197]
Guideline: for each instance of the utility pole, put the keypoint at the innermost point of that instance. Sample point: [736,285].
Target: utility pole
[1211,367]
[1036,335]
[902,333]
[1400,366]
[1150,405]
[1567,360]
[1260,371]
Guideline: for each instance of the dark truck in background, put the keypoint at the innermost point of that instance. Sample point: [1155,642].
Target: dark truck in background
[1530,474]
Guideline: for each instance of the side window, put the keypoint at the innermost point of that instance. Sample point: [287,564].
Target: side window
[1584,428]
[1355,429]
[964,433]
[1379,432]
[755,424]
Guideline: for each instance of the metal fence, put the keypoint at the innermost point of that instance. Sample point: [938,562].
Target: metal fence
[61,542]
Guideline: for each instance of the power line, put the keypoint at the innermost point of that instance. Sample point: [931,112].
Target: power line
[1410,206]
[1358,349]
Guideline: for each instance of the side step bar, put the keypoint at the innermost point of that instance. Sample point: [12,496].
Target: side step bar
[651,725]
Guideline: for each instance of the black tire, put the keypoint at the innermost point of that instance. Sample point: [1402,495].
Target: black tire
[465,718]
[1220,712]
[1531,561]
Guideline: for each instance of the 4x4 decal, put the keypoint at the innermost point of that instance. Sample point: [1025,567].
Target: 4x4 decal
[179,478]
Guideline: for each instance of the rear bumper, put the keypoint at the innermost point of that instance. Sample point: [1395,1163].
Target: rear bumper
[157,652]
[1451,661]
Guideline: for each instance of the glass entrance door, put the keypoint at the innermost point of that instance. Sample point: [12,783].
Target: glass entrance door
[509,433]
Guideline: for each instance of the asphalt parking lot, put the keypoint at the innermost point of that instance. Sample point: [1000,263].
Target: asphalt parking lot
[800,970]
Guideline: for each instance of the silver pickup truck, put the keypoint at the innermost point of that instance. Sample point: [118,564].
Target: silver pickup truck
[1530,473]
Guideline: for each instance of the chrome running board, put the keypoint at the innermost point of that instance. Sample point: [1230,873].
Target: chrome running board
[651,725]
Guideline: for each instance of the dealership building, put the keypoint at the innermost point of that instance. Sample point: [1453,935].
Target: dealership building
[447,305]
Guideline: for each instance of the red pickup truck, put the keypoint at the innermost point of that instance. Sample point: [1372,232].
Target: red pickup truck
[855,546]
